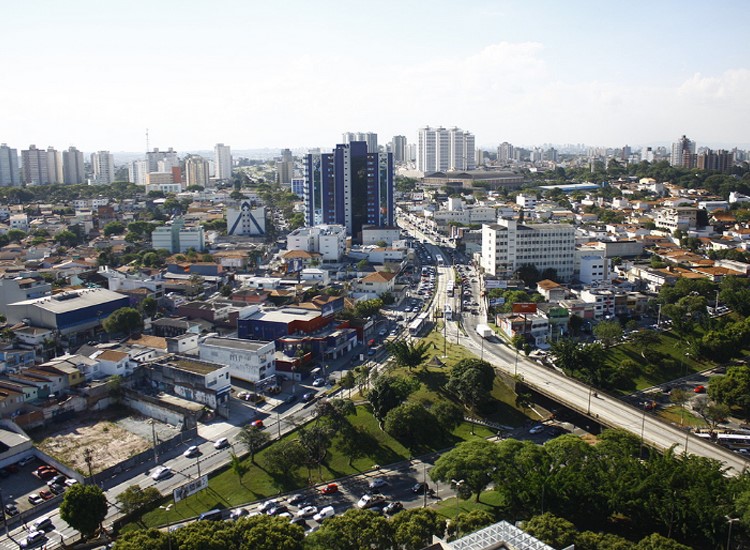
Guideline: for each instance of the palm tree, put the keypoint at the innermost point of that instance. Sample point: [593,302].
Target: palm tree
[408,354]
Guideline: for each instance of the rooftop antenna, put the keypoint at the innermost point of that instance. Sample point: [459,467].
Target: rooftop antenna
[147,146]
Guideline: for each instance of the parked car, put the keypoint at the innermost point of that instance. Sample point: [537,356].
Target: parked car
[699,389]
[368,501]
[377,482]
[296,498]
[278,509]
[318,382]
[35,499]
[11,509]
[238,513]
[57,480]
[330,489]
[539,428]
[46,495]
[324,513]
[309,396]
[307,511]
[393,508]
[267,505]
[70,482]
[26,460]
[57,488]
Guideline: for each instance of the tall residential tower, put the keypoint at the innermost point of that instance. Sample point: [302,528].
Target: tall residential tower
[9,166]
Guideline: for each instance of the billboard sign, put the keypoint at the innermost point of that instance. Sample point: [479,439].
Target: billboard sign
[524,307]
[497,301]
[190,488]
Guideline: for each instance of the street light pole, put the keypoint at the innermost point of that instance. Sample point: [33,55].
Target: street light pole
[729,536]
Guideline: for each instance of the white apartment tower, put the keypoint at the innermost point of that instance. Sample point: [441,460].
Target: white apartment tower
[504,152]
[683,153]
[138,172]
[508,245]
[103,167]
[441,150]
[196,171]
[223,162]
[9,166]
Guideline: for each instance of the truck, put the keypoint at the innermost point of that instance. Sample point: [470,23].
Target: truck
[485,331]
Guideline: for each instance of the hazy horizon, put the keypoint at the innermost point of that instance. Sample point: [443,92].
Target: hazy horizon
[262,75]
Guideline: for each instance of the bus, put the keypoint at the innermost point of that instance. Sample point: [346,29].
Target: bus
[450,288]
[419,323]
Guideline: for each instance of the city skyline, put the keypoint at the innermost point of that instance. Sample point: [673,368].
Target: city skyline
[505,70]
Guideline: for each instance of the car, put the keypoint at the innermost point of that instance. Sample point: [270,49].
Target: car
[393,508]
[243,395]
[267,505]
[222,443]
[420,487]
[161,473]
[330,489]
[257,424]
[699,389]
[35,499]
[46,495]
[35,538]
[277,510]
[57,489]
[238,513]
[57,480]
[26,460]
[367,501]
[309,396]
[318,382]
[539,428]
[212,515]
[370,352]
[307,511]
[42,524]
[47,474]
[324,513]
[382,332]
[192,451]
[377,482]
[11,509]
[291,399]
[296,498]
[70,482]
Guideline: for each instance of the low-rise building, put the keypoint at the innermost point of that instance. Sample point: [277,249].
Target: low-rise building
[195,380]
[249,360]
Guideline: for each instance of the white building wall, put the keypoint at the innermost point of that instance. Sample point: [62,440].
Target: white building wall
[248,365]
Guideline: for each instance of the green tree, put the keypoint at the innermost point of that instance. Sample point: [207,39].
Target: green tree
[67,238]
[609,332]
[471,380]
[270,533]
[347,381]
[732,389]
[353,530]
[735,293]
[315,441]
[645,339]
[238,466]
[143,539]
[414,529]
[588,540]
[408,354]
[125,320]
[113,228]
[656,541]
[134,498]
[411,424]
[367,308]
[388,392]
[448,415]
[471,461]
[253,439]
[284,457]
[468,522]
[15,235]
[712,413]
[84,507]
[149,305]
[556,531]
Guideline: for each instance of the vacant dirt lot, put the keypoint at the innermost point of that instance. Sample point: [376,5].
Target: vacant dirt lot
[108,442]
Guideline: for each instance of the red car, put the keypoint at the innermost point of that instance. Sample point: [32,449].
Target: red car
[699,389]
[257,424]
[330,489]
[45,494]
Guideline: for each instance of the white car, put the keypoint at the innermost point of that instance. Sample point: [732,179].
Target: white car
[537,429]
[377,482]
[318,382]
[307,511]
[368,501]
[267,505]
[324,513]
[35,538]
[221,443]
[192,451]
[162,473]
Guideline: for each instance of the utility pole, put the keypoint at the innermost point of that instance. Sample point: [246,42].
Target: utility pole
[2,510]
[88,459]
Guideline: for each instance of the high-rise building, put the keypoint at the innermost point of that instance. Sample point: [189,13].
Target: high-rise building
[504,153]
[34,163]
[508,245]
[441,150]
[54,166]
[398,146]
[683,153]
[9,166]
[74,170]
[138,172]
[223,162]
[196,171]
[153,158]
[720,161]
[103,167]
[349,187]
[371,138]
[285,167]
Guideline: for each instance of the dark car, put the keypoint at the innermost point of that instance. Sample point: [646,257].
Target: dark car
[276,510]
[309,396]
[295,499]
[11,509]
[393,508]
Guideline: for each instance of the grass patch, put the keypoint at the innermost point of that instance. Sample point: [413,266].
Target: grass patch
[489,501]
[681,417]
[674,363]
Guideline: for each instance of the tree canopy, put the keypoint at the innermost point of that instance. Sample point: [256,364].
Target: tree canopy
[84,507]
[125,320]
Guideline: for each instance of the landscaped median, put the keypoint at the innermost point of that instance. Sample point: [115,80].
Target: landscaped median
[227,489]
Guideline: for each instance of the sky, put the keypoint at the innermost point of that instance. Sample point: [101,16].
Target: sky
[272,74]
